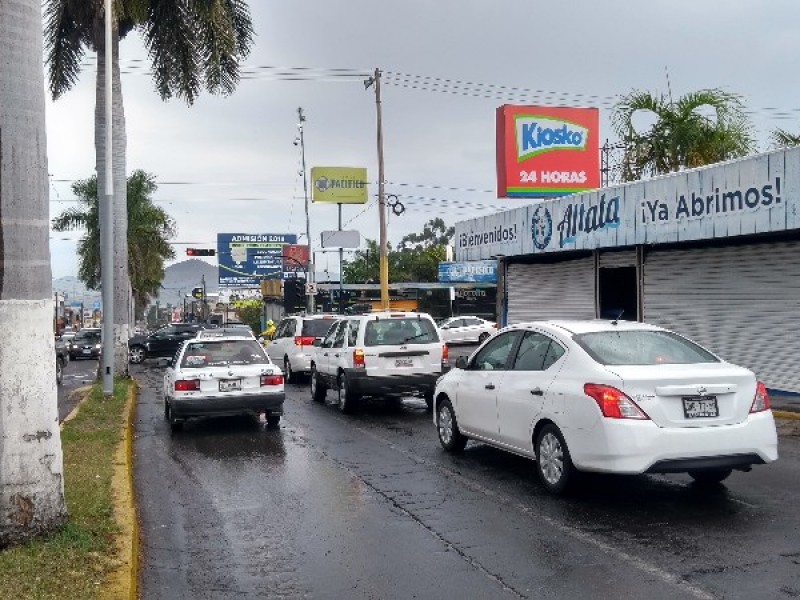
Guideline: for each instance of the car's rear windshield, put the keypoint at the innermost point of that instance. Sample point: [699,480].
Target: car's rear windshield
[397,331]
[316,327]
[223,352]
[642,348]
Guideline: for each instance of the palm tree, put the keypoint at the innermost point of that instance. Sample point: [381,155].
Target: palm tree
[784,139]
[192,44]
[149,231]
[682,135]
[31,476]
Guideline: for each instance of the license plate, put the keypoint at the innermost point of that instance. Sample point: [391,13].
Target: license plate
[230,385]
[403,362]
[87,351]
[697,407]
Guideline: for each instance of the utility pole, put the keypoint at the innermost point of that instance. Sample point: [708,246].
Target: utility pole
[107,220]
[384,255]
[310,276]
[203,305]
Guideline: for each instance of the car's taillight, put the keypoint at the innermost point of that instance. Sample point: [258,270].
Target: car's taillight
[761,399]
[271,380]
[304,340]
[494,325]
[445,354]
[358,358]
[613,403]
[187,385]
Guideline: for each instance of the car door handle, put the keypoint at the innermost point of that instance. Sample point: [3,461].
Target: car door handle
[537,392]
[325,354]
[336,356]
[489,386]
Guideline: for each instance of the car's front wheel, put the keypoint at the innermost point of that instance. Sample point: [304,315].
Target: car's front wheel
[710,477]
[482,337]
[450,437]
[273,420]
[318,388]
[553,461]
[287,370]
[136,354]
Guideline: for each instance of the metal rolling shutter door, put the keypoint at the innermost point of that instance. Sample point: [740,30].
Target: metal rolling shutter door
[562,290]
[743,303]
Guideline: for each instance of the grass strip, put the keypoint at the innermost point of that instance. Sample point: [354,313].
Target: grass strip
[74,562]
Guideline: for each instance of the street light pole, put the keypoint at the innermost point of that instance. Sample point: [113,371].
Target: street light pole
[384,254]
[310,274]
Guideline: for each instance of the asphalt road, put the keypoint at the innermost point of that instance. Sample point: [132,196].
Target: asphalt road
[77,373]
[331,506]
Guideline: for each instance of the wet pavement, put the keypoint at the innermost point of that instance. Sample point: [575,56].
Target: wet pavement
[369,506]
[77,374]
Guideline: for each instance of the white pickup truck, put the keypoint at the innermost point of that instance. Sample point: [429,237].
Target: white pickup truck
[378,354]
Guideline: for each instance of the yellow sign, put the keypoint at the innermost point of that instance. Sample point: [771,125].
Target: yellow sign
[339,185]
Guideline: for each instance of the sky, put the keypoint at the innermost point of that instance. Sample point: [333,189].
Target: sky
[230,165]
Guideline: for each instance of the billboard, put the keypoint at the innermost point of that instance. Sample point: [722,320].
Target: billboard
[295,258]
[478,271]
[247,258]
[545,152]
[339,185]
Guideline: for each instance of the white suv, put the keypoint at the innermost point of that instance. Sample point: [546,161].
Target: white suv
[293,342]
[379,354]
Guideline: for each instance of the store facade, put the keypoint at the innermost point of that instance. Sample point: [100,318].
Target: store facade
[712,253]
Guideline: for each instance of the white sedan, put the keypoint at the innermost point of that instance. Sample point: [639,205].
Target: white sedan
[466,329]
[612,397]
[222,373]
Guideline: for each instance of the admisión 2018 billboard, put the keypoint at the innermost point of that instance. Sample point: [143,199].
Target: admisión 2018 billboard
[247,258]
[546,152]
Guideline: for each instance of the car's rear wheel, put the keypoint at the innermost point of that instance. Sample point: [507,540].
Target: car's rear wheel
[287,370]
[59,370]
[136,354]
[710,477]
[429,400]
[450,437]
[348,401]
[553,461]
[174,424]
[482,337]
[318,389]
[273,420]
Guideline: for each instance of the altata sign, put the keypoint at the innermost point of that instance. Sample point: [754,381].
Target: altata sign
[546,151]
[754,195]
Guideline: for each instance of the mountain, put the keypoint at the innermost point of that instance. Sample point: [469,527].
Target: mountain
[180,278]
[75,291]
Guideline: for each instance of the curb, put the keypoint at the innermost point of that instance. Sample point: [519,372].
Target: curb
[84,391]
[785,414]
[124,582]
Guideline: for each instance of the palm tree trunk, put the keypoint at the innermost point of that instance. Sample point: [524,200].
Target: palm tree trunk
[122,302]
[31,465]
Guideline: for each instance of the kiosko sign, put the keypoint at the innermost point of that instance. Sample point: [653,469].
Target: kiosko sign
[546,151]
[339,185]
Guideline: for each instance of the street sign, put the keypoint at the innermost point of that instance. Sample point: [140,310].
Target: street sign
[311,289]
[341,239]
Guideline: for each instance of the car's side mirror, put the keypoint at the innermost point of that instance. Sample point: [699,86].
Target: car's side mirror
[461,362]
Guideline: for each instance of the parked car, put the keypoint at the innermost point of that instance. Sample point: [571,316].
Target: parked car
[220,373]
[86,344]
[67,338]
[162,342]
[466,329]
[293,341]
[378,354]
[62,358]
[611,397]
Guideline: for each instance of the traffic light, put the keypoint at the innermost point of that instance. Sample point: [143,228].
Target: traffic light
[197,293]
[201,252]
[294,295]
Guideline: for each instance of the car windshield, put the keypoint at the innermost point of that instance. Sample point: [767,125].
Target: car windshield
[316,327]
[400,331]
[642,348]
[87,336]
[222,353]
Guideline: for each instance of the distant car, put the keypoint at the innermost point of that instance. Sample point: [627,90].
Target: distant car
[86,344]
[293,341]
[467,329]
[162,342]
[610,397]
[62,357]
[389,354]
[219,373]
[67,338]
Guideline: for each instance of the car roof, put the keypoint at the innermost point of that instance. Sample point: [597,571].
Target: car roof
[223,334]
[394,314]
[587,326]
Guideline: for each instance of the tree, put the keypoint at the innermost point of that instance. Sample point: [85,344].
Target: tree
[192,44]
[682,135]
[784,139]
[31,462]
[434,233]
[149,233]
[249,311]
